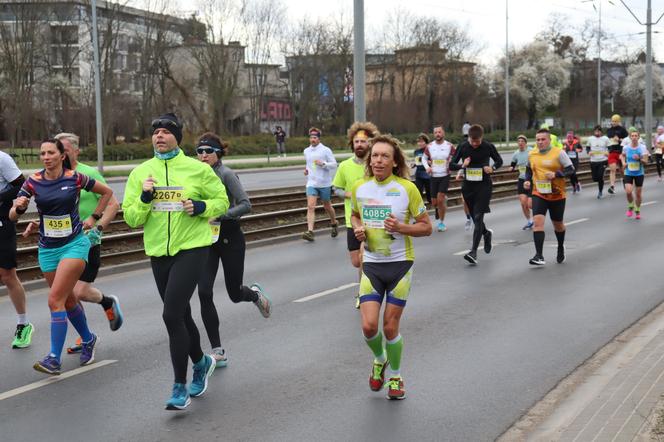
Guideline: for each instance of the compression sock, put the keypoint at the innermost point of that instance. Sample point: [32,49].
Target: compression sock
[77,318]
[58,332]
[467,215]
[394,348]
[376,346]
[600,185]
[21,318]
[630,206]
[560,236]
[538,237]
[106,302]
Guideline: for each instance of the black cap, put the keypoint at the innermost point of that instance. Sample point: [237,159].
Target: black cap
[169,122]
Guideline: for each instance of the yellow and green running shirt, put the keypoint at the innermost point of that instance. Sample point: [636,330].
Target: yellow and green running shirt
[374,201]
[348,173]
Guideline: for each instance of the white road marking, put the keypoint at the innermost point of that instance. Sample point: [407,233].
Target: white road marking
[461,253]
[577,221]
[327,292]
[53,379]
[648,203]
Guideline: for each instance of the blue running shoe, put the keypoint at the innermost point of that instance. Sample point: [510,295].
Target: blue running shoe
[180,398]
[202,372]
[114,314]
[48,365]
[441,226]
[88,350]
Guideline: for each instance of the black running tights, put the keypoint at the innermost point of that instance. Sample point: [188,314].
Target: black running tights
[480,229]
[176,278]
[230,249]
[658,162]
[573,179]
[597,169]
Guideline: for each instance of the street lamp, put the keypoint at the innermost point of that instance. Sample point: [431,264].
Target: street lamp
[95,58]
[359,104]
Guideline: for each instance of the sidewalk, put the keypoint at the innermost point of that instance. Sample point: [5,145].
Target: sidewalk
[615,396]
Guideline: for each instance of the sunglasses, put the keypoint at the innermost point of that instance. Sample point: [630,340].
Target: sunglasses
[164,123]
[207,150]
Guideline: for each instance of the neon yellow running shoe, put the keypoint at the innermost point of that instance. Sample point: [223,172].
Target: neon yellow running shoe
[23,335]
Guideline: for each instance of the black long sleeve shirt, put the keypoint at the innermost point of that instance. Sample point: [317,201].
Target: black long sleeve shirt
[479,157]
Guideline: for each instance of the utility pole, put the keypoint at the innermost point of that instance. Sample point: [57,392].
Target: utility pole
[359,80]
[507,76]
[95,58]
[599,68]
[648,95]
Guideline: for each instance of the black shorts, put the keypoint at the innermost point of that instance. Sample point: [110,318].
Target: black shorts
[520,189]
[351,240]
[477,197]
[555,208]
[92,266]
[636,180]
[439,185]
[7,244]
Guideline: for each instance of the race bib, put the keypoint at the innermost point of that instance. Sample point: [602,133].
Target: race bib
[543,187]
[474,174]
[57,226]
[633,166]
[598,152]
[658,151]
[522,170]
[374,215]
[418,161]
[168,199]
[215,229]
[571,154]
[439,163]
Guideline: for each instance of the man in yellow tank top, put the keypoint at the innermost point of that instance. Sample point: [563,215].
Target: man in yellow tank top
[545,175]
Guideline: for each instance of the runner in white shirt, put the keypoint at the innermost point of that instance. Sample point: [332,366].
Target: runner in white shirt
[598,149]
[436,160]
[658,146]
[319,172]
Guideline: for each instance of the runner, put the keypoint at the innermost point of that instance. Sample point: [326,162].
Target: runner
[520,162]
[384,205]
[319,165]
[173,196]
[228,246]
[436,160]
[349,172]
[598,149]
[572,147]
[422,178]
[615,134]
[83,289]
[547,168]
[477,186]
[63,247]
[633,158]
[658,147]
[11,180]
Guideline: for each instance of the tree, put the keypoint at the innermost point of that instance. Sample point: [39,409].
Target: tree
[633,90]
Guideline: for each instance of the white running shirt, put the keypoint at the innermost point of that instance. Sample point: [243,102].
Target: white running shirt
[438,157]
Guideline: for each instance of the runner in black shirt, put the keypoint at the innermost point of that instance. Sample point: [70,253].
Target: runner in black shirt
[475,155]
[615,133]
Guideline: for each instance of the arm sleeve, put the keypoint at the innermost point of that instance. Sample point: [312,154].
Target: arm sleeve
[454,164]
[134,211]
[236,191]
[10,192]
[529,173]
[26,189]
[85,182]
[214,195]
[497,158]
[330,161]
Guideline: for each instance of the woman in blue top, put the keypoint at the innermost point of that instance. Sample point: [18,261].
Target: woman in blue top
[633,157]
[63,247]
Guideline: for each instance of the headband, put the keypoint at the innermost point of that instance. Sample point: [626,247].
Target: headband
[362,134]
[210,143]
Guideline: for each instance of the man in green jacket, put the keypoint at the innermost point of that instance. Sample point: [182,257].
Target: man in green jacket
[173,196]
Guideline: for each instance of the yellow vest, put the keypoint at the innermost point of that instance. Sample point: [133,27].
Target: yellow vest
[540,164]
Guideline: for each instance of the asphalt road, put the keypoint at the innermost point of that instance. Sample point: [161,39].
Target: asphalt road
[482,344]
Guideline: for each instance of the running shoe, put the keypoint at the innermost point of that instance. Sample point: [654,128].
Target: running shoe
[23,335]
[537,260]
[88,350]
[599,195]
[471,257]
[335,230]
[612,190]
[441,226]
[202,372]
[48,365]
[395,390]
[638,215]
[629,213]
[114,314]
[529,225]
[76,348]
[179,399]
[357,301]
[263,303]
[578,187]
[487,240]
[220,357]
[308,235]
[560,257]
[377,378]
[468,225]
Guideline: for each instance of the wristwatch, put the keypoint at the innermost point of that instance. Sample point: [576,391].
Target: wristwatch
[96,216]
[99,227]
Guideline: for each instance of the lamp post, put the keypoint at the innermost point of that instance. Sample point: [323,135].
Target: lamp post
[359,104]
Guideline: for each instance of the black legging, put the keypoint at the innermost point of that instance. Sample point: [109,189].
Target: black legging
[597,169]
[424,186]
[658,163]
[573,179]
[176,278]
[230,249]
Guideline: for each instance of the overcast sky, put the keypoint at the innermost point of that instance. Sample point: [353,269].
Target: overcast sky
[486,18]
